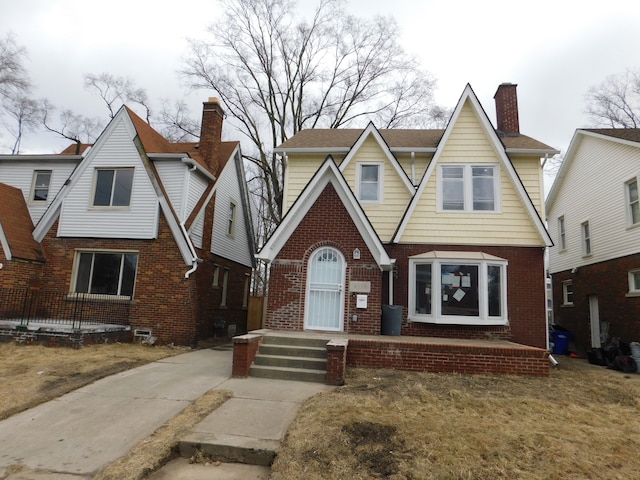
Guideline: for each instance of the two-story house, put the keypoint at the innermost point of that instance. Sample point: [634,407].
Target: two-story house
[164,228]
[447,225]
[594,220]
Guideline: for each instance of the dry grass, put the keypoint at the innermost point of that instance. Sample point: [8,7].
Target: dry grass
[34,374]
[582,422]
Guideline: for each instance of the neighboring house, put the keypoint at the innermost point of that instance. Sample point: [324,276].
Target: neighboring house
[447,224]
[165,227]
[594,220]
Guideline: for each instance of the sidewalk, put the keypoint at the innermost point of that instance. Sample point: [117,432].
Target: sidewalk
[77,434]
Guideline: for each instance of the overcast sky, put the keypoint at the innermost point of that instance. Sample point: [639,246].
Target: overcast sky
[553,49]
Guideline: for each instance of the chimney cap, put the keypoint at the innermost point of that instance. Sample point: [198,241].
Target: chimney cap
[504,85]
[213,100]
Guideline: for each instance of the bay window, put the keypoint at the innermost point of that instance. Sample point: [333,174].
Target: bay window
[467,288]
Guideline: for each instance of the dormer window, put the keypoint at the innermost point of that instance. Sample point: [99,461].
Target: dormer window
[40,186]
[113,187]
[369,182]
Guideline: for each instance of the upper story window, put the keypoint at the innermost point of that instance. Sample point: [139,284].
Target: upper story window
[231,219]
[562,234]
[40,185]
[633,202]
[469,291]
[105,273]
[567,293]
[113,187]
[369,182]
[586,239]
[469,188]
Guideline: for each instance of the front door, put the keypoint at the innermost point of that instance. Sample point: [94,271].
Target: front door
[325,290]
[594,315]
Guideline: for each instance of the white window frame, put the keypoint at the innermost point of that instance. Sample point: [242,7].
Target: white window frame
[115,171]
[216,276]
[245,296]
[360,181]
[231,218]
[436,261]
[562,233]
[467,182]
[587,239]
[76,268]
[634,289]
[567,293]
[225,286]
[631,203]
[35,186]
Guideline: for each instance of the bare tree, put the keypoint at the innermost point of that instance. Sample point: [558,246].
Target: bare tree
[175,122]
[74,127]
[615,103]
[116,91]
[277,74]
[24,113]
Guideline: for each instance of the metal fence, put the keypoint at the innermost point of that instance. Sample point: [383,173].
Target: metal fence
[61,308]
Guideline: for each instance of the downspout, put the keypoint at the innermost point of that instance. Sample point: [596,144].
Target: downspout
[393,263]
[192,250]
[413,168]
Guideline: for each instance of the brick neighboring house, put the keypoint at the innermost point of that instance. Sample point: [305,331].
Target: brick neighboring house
[594,219]
[447,225]
[166,227]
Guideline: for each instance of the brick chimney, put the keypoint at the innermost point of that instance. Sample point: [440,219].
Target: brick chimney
[506,98]
[211,134]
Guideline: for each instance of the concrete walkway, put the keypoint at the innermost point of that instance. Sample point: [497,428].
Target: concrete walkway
[77,434]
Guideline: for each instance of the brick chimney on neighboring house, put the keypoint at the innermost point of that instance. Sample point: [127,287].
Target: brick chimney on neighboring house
[211,134]
[506,98]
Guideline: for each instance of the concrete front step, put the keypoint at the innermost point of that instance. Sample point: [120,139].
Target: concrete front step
[291,362]
[230,448]
[301,341]
[285,373]
[284,350]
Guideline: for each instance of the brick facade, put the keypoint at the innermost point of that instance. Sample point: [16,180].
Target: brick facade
[609,281]
[175,309]
[288,273]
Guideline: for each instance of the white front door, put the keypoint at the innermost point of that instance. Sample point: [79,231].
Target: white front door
[325,290]
[594,315]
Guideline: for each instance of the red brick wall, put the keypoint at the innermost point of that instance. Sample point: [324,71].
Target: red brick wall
[177,310]
[609,281]
[442,358]
[525,291]
[18,273]
[287,276]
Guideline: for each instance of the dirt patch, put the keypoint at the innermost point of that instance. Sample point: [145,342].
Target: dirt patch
[375,446]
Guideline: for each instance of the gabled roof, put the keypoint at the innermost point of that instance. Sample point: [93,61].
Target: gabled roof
[339,140]
[623,136]
[328,173]
[16,226]
[371,130]
[468,95]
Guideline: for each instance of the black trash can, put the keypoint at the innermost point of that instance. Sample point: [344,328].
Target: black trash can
[391,319]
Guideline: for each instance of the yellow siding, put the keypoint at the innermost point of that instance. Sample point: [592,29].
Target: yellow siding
[299,171]
[469,143]
[384,216]
[421,162]
[530,172]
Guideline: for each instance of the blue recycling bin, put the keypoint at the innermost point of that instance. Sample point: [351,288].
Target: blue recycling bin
[560,343]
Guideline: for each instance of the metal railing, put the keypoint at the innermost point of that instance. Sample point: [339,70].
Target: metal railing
[61,308]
